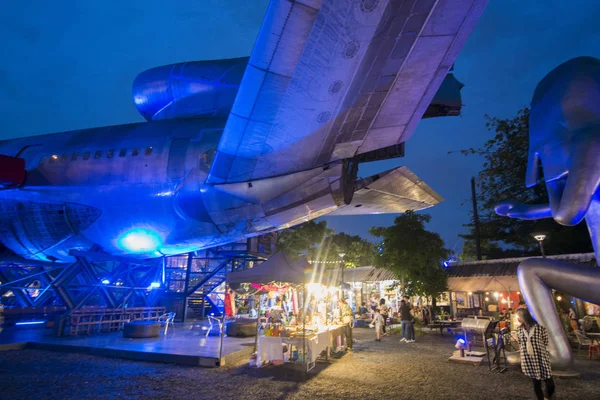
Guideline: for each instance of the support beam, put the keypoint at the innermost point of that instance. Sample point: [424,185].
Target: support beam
[22,298]
[186,289]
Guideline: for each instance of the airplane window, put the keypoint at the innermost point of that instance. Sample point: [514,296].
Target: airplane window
[148,151]
[74,157]
[98,154]
[86,155]
[53,158]
[63,158]
[109,154]
[135,152]
[123,153]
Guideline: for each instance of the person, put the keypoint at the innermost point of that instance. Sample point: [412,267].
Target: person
[405,318]
[412,319]
[426,316]
[373,303]
[383,310]
[363,309]
[378,322]
[522,305]
[573,318]
[535,358]
[348,321]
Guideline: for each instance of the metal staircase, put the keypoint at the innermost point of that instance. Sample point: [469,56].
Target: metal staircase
[195,282]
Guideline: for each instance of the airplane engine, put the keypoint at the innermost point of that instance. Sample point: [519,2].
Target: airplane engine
[36,230]
[189,90]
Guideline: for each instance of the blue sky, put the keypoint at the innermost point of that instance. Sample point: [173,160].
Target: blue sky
[70,65]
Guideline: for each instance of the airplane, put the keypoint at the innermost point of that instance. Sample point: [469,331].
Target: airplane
[236,148]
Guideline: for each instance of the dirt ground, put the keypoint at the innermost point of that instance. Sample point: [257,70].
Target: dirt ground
[375,370]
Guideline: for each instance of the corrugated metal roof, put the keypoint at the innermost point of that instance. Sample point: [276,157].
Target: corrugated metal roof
[363,274]
[508,266]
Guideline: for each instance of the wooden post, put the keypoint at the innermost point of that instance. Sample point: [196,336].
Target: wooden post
[223,325]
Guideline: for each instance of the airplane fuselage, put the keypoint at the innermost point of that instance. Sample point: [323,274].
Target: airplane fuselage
[137,189]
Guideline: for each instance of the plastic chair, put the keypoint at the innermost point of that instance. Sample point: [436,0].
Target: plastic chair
[211,321]
[166,320]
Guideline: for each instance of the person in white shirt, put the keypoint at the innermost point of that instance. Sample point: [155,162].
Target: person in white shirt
[379,323]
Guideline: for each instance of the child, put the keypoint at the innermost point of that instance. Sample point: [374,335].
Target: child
[379,322]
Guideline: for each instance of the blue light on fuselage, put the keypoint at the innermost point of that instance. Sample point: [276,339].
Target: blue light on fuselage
[140,240]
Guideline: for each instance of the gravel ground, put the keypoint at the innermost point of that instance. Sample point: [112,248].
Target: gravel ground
[385,370]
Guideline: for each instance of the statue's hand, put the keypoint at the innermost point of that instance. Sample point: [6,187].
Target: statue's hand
[513,209]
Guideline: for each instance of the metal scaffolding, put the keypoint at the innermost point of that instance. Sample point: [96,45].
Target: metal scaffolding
[190,285]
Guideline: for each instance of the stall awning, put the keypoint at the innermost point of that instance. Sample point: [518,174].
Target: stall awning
[279,268]
[484,284]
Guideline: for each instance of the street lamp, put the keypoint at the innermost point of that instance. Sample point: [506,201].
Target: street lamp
[540,238]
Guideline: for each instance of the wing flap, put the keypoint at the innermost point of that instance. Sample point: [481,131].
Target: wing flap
[391,192]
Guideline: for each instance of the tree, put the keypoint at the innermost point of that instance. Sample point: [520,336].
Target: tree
[320,243]
[414,254]
[298,241]
[358,252]
[489,251]
[503,178]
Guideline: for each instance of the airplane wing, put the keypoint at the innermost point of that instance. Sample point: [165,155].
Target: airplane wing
[330,79]
[390,192]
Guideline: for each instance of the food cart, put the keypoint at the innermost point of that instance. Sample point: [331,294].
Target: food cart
[296,317]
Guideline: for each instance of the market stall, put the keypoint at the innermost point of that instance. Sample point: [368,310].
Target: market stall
[297,320]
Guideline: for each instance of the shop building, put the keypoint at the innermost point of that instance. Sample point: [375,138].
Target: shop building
[489,286]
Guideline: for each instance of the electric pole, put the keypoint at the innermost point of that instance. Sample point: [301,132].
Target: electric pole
[476,219]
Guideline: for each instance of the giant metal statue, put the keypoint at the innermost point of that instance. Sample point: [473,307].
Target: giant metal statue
[564,139]
[241,147]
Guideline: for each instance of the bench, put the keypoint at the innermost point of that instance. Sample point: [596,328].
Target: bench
[90,320]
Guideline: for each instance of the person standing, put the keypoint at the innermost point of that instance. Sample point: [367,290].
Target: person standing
[383,310]
[412,319]
[378,322]
[406,317]
[348,321]
[535,358]
[573,319]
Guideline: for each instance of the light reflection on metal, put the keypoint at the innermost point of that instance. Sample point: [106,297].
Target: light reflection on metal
[140,240]
[565,140]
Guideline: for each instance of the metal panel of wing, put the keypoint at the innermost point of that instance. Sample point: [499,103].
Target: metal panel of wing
[390,192]
[329,79]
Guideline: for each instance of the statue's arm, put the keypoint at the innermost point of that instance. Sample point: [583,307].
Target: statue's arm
[524,211]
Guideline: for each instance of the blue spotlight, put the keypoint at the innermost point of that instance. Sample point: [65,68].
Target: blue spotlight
[105,282]
[140,240]
[30,323]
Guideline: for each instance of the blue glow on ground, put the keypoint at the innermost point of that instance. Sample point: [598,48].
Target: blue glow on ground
[139,240]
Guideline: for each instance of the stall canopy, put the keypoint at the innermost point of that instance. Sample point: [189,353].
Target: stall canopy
[279,268]
[499,275]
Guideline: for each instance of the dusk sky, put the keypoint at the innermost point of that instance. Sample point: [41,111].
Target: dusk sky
[70,65]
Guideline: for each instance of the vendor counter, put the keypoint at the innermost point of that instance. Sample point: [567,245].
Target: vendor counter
[289,347]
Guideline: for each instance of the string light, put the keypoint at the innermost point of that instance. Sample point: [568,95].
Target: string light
[324,262]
